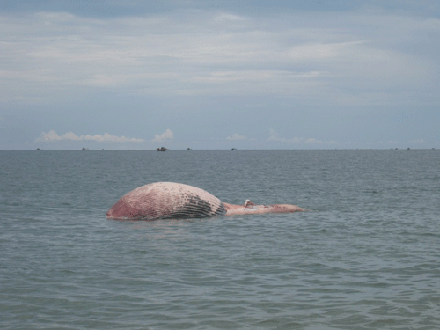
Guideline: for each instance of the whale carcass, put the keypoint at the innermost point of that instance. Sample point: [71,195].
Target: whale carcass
[169,200]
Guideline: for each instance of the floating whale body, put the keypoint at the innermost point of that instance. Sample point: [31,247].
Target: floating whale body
[169,200]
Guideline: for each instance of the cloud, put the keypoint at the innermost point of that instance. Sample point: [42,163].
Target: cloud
[236,137]
[275,137]
[52,136]
[312,140]
[317,59]
[320,51]
[167,135]
[224,16]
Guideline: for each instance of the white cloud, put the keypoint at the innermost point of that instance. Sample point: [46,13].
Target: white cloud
[224,16]
[275,137]
[339,59]
[316,141]
[320,51]
[167,135]
[295,140]
[52,136]
[312,140]
[236,137]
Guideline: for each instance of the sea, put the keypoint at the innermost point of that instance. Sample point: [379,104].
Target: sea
[365,254]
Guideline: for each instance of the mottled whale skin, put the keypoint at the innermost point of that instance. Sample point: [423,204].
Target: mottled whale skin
[163,200]
[169,200]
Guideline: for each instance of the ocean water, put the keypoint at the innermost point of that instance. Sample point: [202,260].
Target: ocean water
[366,254]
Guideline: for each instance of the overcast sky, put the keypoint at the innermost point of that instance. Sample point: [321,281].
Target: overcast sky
[340,74]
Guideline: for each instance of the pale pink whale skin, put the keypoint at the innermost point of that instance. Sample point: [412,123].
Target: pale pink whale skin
[232,209]
[162,200]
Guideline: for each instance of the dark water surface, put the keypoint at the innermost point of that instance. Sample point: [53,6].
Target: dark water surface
[366,255]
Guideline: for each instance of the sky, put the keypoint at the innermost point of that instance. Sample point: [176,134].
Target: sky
[211,74]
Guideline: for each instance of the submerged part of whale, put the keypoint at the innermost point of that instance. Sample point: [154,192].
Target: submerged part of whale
[163,200]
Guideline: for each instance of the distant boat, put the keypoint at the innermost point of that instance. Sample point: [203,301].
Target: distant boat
[234,149]
[162,149]
[188,149]
[85,148]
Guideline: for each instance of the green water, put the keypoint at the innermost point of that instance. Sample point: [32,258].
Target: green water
[366,255]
